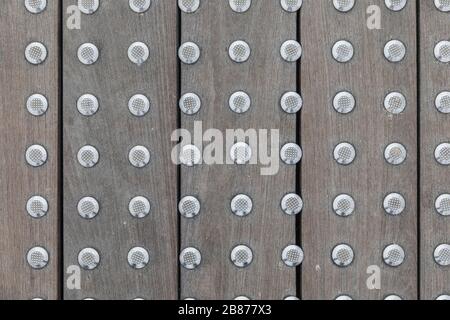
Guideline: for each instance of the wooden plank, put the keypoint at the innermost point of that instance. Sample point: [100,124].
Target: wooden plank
[114,131]
[370,77]
[265,77]
[435,129]
[19,130]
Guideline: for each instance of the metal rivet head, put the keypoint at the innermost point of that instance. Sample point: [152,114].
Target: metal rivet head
[442,205]
[395,154]
[343,51]
[138,258]
[344,153]
[139,157]
[241,153]
[241,205]
[88,6]
[394,51]
[189,207]
[138,53]
[394,255]
[344,5]
[190,258]
[190,156]
[139,105]
[36,53]
[38,258]
[291,153]
[37,105]
[188,6]
[443,297]
[394,204]
[344,205]
[190,104]
[442,51]
[88,53]
[442,102]
[239,51]
[291,102]
[36,156]
[344,102]
[291,5]
[189,53]
[37,207]
[393,297]
[88,208]
[442,154]
[292,204]
[442,255]
[292,298]
[243,298]
[241,256]
[35,6]
[442,5]
[292,256]
[87,105]
[139,207]
[343,297]
[240,102]
[89,259]
[88,156]
[395,103]
[140,6]
[240,5]
[291,51]
[395,5]
[342,255]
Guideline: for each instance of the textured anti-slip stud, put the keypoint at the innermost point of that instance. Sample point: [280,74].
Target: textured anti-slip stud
[241,256]
[37,258]
[89,259]
[292,256]
[241,205]
[88,53]
[344,153]
[188,6]
[240,6]
[239,51]
[344,205]
[442,255]
[139,157]
[344,5]
[190,156]
[442,51]
[393,297]
[291,153]
[87,105]
[292,204]
[189,207]
[395,154]
[138,53]
[394,204]
[343,297]
[36,155]
[395,5]
[139,105]
[140,6]
[190,258]
[35,6]
[291,102]
[395,103]
[291,51]
[442,154]
[344,102]
[138,258]
[37,207]
[139,207]
[241,153]
[37,105]
[342,255]
[442,205]
[240,102]
[442,102]
[393,255]
[88,156]
[291,5]
[88,208]
[190,103]
[88,6]
[189,53]
[394,51]
[442,5]
[342,51]
[36,53]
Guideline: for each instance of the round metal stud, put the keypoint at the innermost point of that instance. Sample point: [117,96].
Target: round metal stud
[394,255]
[291,5]
[442,154]
[89,259]
[190,156]
[292,256]
[88,6]
[241,153]
[139,157]
[241,256]
[344,153]
[291,153]
[88,53]
[393,297]
[442,102]
[190,258]
[189,207]
[240,102]
[239,51]
[189,53]
[87,105]
[138,258]
[88,156]
[394,51]
[342,255]
[138,53]
[442,255]
[190,104]
[395,154]
[35,6]
[139,105]
[395,103]
[38,258]
[241,205]
[240,6]
[291,102]
[36,156]
[344,5]
[140,6]
[394,204]
[344,205]
[442,205]
[292,204]
[442,5]
[36,53]
[442,51]
[139,207]
[243,298]
[292,298]
[343,297]
[188,6]
[37,105]
[291,51]
[88,208]
[395,5]
[344,102]
[342,51]
[37,207]
[443,297]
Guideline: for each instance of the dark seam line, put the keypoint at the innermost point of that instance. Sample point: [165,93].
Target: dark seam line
[298,181]
[179,21]
[418,39]
[60,145]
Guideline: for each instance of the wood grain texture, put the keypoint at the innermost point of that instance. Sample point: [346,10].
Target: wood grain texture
[370,77]
[265,77]
[19,130]
[114,131]
[435,129]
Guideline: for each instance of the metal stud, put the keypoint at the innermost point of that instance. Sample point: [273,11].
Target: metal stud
[442,102]
[393,297]
[342,255]
[241,205]
[442,51]
[37,207]
[188,6]
[88,156]
[292,256]
[139,105]
[394,255]
[292,204]
[344,153]
[241,153]
[190,156]
[240,102]
[139,157]
[443,297]
[190,258]
[291,153]
[343,297]
[189,207]
[36,156]
[291,102]
[395,154]
[394,51]
[243,298]
[138,53]
[344,102]
[292,298]
[189,53]
[37,105]
[442,154]
[138,258]
[395,5]
[190,104]
[35,6]
[395,103]
[240,6]
[38,258]
[36,53]
[241,256]
[344,205]
[88,53]
[87,105]
[88,208]
[394,204]
[89,259]
[139,207]
[343,51]
[344,5]
[291,5]
[442,205]
[88,6]
[442,255]
[291,51]
[140,6]
[239,51]
[442,5]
